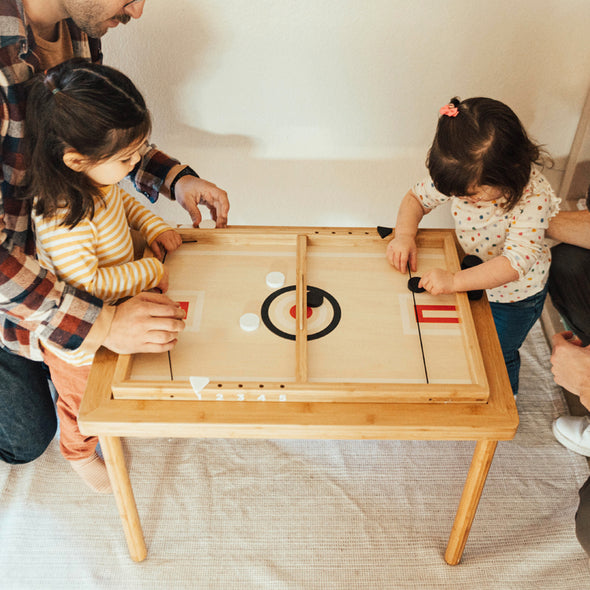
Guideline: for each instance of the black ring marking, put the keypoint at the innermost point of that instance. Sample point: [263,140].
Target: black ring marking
[329,328]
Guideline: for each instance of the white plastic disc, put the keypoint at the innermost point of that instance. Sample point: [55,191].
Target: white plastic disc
[275,280]
[207,224]
[249,322]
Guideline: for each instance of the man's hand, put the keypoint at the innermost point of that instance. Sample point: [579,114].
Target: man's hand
[148,322]
[570,365]
[191,191]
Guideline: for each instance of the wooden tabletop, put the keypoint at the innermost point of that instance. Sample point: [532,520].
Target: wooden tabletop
[497,419]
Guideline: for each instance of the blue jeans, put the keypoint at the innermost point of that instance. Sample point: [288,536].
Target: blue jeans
[27,413]
[513,323]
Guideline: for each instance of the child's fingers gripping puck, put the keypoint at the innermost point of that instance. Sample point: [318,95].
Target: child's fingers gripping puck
[413,285]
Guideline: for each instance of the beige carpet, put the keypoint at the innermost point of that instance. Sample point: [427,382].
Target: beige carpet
[231,514]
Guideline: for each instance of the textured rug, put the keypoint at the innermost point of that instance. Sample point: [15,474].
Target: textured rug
[239,514]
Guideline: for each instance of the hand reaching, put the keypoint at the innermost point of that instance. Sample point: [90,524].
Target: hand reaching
[401,251]
[167,241]
[191,191]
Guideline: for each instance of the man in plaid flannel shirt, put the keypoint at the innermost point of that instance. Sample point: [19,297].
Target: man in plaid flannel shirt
[35,35]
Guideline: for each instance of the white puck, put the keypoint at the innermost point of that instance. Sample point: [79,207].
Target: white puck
[207,224]
[275,280]
[249,322]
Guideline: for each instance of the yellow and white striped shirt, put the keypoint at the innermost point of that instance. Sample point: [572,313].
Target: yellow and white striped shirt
[97,254]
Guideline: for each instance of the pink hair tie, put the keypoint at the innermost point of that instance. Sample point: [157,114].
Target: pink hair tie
[450,110]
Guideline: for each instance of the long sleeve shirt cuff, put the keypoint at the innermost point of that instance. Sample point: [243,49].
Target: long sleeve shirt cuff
[99,330]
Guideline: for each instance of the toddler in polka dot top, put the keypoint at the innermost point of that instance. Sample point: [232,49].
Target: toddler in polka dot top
[483,161]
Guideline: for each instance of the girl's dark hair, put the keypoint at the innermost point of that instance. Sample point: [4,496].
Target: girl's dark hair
[484,144]
[94,109]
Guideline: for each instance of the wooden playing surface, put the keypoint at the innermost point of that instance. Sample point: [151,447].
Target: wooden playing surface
[388,345]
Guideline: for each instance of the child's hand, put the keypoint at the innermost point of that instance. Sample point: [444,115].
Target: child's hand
[167,241]
[438,281]
[163,284]
[401,251]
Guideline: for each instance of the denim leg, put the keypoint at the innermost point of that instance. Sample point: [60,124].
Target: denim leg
[27,414]
[583,517]
[569,287]
[513,323]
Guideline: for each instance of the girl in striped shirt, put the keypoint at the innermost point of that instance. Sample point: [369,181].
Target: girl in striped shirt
[87,125]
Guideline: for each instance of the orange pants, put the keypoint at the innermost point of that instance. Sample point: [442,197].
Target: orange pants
[70,383]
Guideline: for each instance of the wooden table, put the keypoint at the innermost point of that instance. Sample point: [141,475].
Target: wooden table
[173,411]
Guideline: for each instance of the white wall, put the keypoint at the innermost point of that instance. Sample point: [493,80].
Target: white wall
[320,112]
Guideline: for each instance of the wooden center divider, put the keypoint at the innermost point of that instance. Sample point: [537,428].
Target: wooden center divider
[301,310]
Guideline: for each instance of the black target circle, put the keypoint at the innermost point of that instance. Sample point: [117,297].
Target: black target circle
[336,316]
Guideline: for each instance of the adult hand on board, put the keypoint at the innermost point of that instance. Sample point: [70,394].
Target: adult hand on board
[191,191]
[148,322]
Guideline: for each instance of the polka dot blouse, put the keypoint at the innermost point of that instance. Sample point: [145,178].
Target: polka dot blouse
[487,230]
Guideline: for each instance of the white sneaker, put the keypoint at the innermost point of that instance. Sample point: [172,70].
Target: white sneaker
[573,432]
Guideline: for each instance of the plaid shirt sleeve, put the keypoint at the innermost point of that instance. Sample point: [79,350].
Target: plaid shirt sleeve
[33,302]
[151,171]
[36,305]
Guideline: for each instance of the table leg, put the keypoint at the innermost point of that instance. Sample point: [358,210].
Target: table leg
[476,478]
[119,476]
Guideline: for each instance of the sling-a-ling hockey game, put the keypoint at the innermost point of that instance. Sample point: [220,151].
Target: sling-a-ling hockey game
[309,333]
[363,335]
